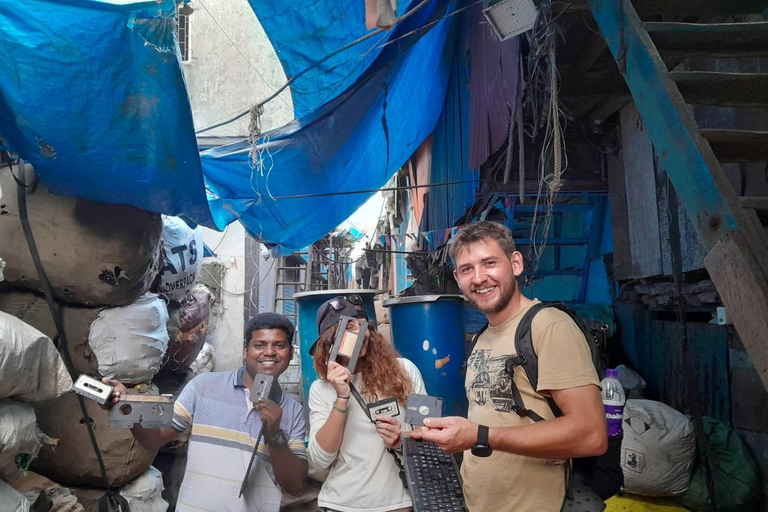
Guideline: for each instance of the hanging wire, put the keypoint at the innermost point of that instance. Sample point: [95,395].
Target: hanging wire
[544,109]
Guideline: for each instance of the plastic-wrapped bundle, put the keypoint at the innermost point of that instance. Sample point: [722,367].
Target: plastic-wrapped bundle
[183,258]
[193,329]
[30,367]
[20,439]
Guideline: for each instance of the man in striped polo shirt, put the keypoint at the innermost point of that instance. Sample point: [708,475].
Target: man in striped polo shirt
[224,426]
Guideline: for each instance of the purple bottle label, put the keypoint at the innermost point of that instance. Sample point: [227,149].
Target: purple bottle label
[613,417]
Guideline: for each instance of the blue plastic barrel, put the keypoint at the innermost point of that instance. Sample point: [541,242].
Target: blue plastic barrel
[429,330]
[308,303]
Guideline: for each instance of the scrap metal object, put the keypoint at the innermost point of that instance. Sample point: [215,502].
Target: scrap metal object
[148,411]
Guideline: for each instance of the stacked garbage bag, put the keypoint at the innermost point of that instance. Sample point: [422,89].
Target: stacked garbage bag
[123,283]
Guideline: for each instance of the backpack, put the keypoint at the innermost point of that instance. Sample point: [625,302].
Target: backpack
[601,475]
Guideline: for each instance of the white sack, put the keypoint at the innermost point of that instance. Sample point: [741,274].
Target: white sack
[204,360]
[145,493]
[31,368]
[129,342]
[658,450]
[18,435]
[30,484]
[183,258]
[11,500]
[2,266]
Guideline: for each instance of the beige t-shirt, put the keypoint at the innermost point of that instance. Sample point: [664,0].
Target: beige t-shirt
[506,482]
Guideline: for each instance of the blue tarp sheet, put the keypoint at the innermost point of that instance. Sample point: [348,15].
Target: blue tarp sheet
[92,93]
[305,31]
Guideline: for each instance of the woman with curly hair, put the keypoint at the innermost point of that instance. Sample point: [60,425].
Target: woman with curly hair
[363,475]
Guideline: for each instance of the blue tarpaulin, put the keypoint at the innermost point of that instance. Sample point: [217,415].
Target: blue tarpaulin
[355,142]
[93,94]
[305,31]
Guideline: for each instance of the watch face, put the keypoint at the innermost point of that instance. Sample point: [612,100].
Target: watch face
[481,450]
[279,440]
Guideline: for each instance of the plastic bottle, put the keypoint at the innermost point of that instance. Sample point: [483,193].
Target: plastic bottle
[613,401]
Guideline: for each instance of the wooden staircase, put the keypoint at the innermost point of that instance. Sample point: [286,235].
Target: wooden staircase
[732,229]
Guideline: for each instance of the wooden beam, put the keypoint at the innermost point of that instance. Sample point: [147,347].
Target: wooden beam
[698,7]
[738,246]
[702,187]
[712,40]
[738,146]
[743,287]
[723,89]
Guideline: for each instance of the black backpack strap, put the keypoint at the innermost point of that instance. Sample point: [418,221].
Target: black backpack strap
[472,347]
[529,360]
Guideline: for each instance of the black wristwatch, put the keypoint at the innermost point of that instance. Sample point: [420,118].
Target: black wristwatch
[279,441]
[481,448]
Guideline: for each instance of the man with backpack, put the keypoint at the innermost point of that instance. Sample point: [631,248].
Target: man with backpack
[518,439]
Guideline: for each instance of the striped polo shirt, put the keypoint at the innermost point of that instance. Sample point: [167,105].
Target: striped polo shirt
[224,428]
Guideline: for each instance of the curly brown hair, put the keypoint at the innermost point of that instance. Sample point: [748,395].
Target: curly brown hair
[383,379]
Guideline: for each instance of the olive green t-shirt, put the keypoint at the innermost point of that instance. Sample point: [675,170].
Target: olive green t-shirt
[506,482]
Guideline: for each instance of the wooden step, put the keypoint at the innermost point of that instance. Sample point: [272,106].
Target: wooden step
[722,89]
[712,40]
[759,204]
[738,146]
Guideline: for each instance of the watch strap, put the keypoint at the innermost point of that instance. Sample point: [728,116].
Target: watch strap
[482,435]
[279,441]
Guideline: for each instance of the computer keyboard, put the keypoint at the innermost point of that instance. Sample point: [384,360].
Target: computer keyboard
[433,478]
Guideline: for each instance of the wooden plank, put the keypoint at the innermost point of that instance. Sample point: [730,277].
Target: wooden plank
[738,146]
[698,7]
[622,255]
[640,185]
[722,89]
[755,203]
[743,287]
[712,40]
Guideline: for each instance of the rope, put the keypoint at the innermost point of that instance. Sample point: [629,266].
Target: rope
[111,499]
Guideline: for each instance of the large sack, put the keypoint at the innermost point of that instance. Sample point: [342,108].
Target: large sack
[145,493]
[193,330]
[126,343]
[11,500]
[30,484]
[74,462]
[735,474]
[94,253]
[130,341]
[204,360]
[20,439]
[30,367]
[183,258]
[32,309]
[658,450]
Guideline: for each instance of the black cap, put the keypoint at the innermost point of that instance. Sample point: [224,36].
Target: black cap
[328,316]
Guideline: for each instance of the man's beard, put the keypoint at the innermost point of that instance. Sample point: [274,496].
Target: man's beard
[505,297]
